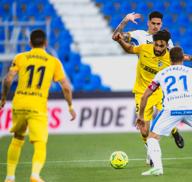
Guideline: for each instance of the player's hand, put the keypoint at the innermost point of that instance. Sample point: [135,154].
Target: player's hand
[132,17]
[139,123]
[118,36]
[2,103]
[72,112]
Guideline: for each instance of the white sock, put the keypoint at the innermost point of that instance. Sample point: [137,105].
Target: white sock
[154,151]
[10,178]
[148,157]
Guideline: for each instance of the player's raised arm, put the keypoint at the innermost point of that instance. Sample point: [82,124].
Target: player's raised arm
[129,17]
[6,84]
[68,96]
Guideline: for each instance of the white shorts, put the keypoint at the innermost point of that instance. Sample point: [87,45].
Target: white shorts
[166,120]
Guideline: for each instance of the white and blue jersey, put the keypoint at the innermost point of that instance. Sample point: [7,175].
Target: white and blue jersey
[175,82]
[139,37]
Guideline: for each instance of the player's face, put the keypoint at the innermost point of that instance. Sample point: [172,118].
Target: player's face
[160,47]
[154,25]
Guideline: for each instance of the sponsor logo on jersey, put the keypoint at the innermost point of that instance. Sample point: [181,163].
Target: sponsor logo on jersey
[160,63]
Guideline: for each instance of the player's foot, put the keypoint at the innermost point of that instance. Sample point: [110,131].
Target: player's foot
[153,172]
[32,179]
[178,138]
[149,161]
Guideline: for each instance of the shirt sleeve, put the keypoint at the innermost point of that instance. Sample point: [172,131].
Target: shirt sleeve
[137,49]
[134,34]
[170,44]
[15,64]
[59,73]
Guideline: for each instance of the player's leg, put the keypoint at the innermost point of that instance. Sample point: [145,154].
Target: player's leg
[154,151]
[14,150]
[38,134]
[144,131]
[162,125]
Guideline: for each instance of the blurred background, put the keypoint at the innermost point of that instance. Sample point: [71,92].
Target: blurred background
[79,34]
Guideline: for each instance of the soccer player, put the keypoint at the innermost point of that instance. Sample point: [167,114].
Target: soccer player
[142,36]
[175,82]
[36,70]
[146,37]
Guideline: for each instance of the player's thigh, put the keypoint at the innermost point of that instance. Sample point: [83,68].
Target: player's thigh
[164,123]
[158,102]
[148,114]
[19,123]
[38,127]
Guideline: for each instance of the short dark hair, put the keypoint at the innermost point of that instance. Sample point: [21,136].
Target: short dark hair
[38,38]
[155,14]
[176,54]
[162,35]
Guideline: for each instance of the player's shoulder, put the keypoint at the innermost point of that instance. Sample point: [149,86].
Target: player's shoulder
[146,46]
[21,55]
[140,31]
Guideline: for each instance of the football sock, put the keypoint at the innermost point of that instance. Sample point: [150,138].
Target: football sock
[13,156]
[39,157]
[154,151]
[174,130]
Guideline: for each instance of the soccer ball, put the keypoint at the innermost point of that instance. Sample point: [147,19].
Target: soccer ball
[119,159]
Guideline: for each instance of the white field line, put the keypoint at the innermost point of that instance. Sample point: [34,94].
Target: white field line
[104,160]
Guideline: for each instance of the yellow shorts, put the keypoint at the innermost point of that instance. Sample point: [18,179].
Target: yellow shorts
[154,100]
[36,123]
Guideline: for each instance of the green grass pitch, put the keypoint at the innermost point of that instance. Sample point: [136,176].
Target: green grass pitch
[85,158]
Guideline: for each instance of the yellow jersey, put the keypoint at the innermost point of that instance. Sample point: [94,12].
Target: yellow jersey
[36,70]
[148,66]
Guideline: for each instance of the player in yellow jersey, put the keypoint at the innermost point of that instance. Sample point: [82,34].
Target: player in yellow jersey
[152,58]
[154,24]
[36,70]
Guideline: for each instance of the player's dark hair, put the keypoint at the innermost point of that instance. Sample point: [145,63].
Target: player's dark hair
[176,54]
[162,35]
[38,38]
[155,14]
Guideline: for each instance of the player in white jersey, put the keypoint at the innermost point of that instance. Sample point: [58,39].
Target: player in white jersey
[139,37]
[175,82]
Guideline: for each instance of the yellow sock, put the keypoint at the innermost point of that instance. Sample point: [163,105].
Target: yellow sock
[174,130]
[39,157]
[13,156]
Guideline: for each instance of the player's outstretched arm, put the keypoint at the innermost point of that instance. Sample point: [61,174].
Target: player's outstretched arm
[6,84]
[129,17]
[143,103]
[68,96]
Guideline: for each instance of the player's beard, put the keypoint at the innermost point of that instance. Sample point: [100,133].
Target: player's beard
[159,53]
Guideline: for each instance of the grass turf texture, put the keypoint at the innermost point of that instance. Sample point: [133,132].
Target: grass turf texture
[85,158]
